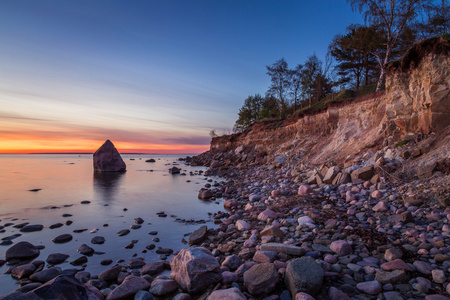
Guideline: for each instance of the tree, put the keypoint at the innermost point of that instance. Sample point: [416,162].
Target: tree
[213,133]
[249,112]
[311,71]
[436,20]
[280,82]
[296,84]
[391,17]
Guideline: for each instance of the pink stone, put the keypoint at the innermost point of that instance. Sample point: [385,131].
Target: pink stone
[303,296]
[304,189]
[381,206]
[370,287]
[341,247]
[377,194]
[396,264]
[267,214]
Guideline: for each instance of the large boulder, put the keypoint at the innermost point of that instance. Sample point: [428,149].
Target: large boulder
[195,268]
[303,275]
[21,250]
[198,235]
[129,287]
[108,159]
[230,294]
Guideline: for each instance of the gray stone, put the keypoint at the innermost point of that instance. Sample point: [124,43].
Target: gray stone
[153,268]
[110,274]
[129,287]
[195,268]
[85,250]
[108,159]
[261,279]
[31,228]
[198,235]
[229,294]
[57,258]
[303,275]
[284,248]
[396,276]
[45,275]
[163,287]
[21,250]
[63,238]
[97,240]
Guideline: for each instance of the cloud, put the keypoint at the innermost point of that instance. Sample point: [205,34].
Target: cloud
[189,140]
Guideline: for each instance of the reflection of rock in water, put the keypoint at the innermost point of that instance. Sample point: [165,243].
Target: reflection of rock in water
[106,185]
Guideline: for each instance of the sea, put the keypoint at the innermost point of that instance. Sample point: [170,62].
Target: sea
[41,188]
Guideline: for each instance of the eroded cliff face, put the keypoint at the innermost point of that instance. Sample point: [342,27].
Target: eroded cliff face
[418,100]
[416,103]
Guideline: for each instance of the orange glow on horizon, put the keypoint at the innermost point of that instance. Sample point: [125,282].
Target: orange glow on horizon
[37,145]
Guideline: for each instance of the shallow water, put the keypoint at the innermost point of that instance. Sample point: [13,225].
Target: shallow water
[66,180]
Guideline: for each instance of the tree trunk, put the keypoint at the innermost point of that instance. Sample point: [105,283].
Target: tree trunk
[383,70]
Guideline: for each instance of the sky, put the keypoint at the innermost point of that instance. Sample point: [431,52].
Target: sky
[151,76]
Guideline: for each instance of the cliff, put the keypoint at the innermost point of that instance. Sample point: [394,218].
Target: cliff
[416,103]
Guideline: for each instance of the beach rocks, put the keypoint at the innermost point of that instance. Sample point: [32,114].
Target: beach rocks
[21,251]
[198,235]
[85,250]
[303,275]
[341,247]
[129,287]
[97,240]
[163,286]
[45,275]
[230,294]
[267,214]
[32,228]
[63,238]
[174,170]
[205,194]
[370,287]
[108,159]
[261,279]
[110,274]
[195,268]
[23,271]
[57,258]
[153,268]
[284,248]
[304,190]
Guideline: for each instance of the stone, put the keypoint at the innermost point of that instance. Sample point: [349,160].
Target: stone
[23,271]
[303,275]
[110,274]
[261,279]
[205,194]
[63,238]
[381,206]
[174,170]
[392,254]
[341,247]
[153,268]
[229,294]
[85,250]
[108,159]
[230,203]
[195,268]
[364,173]
[331,174]
[46,275]
[284,248]
[163,287]
[396,276]
[336,294]
[31,228]
[370,287]
[267,214]
[198,235]
[342,178]
[264,256]
[97,240]
[423,267]
[438,276]
[123,232]
[242,225]
[232,262]
[396,264]
[57,258]
[303,296]
[143,295]
[273,231]
[79,261]
[129,287]
[304,190]
[305,220]
[22,251]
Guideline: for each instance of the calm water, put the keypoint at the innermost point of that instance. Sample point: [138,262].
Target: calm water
[66,180]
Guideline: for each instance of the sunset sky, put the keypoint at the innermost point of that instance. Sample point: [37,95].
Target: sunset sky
[151,76]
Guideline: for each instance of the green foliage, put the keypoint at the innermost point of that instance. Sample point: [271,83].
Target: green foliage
[401,143]
[446,36]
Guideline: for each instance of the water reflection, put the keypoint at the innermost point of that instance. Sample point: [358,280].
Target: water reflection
[106,185]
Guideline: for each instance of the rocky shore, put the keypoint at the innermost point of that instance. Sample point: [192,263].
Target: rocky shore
[365,230]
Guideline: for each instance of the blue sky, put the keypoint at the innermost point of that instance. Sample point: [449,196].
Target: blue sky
[152,73]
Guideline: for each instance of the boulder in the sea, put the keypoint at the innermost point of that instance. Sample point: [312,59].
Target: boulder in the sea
[108,159]
[195,268]
[22,250]
[174,170]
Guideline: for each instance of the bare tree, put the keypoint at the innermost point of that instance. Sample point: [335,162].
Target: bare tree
[280,82]
[392,18]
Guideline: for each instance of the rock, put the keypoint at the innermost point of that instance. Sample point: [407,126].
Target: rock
[264,256]
[46,275]
[303,296]
[23,271]
[63,238]
[63,287]
[305,220]
[205,193]
[153,268]
[284,248]
[370,287]
[423,267]
[230,203]
[426,170]
[342,178]
[335,294]
[56,225]
[232,262]
[396,264]
[96,240]
[22,251]
[304,190]
[381,206]
[261,279]
[123,232]
[364,173]
[195,268]
[174,170]
[267,214]
[110,274]
[79,261]
[198,235]
[31,228]
[143,295]
[151,160]
[396,276]
[57,258]
[392,254]
[85,250]
[438,276]
[163,287]
[341,247]
[129,287]
[106,262]
[108,159]
[273,231]
[331,174]
[303,275]
[229,294]
[241,225]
